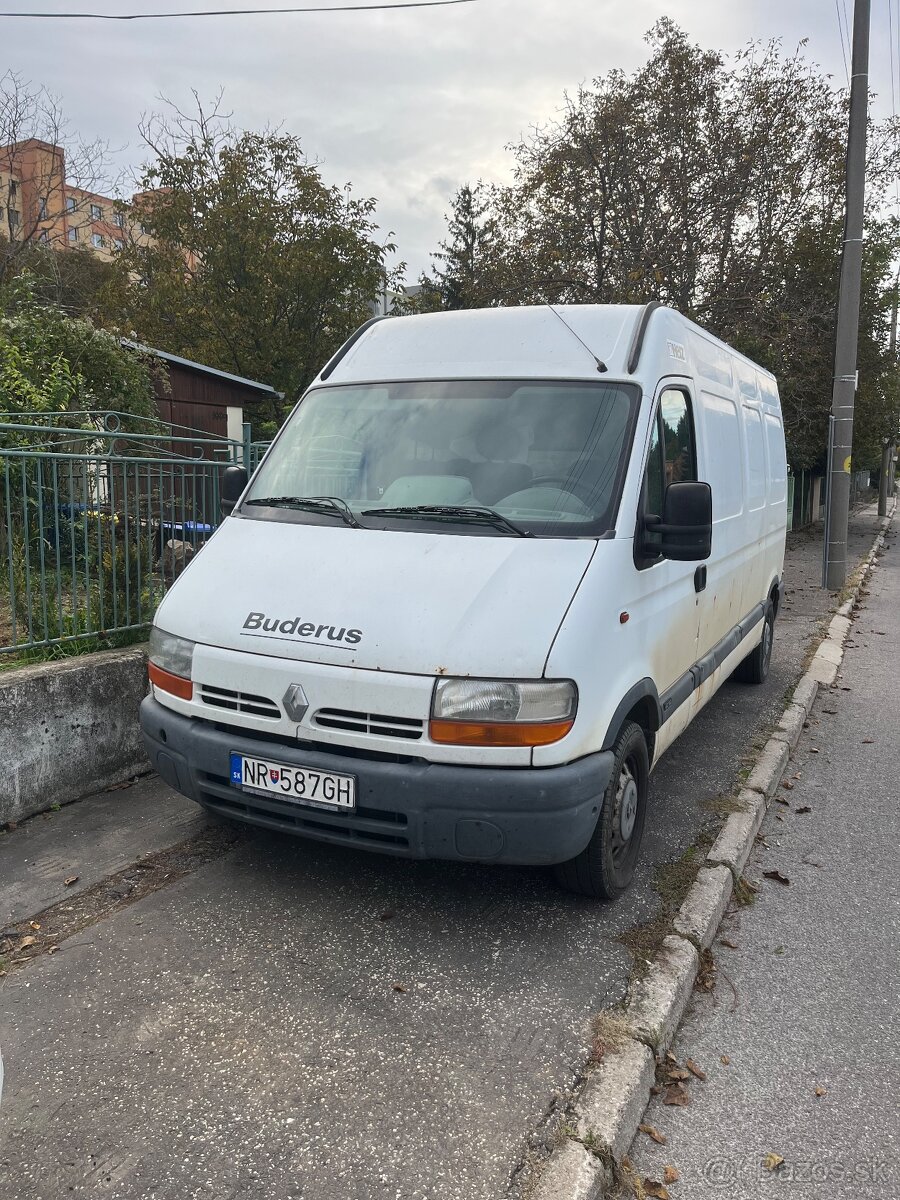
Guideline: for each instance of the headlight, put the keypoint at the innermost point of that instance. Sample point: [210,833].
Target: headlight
[170,663]
[485,712]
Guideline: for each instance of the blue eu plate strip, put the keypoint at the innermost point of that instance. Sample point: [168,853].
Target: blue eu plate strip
[237,777]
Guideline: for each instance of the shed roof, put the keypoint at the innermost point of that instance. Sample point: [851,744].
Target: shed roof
[263,388]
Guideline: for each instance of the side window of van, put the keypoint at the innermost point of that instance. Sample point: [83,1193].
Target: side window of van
[672,459]
[678,434]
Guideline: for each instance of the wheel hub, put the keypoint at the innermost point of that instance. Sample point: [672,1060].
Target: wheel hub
[628,804]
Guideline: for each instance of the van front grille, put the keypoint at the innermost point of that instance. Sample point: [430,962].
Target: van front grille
[360,722]
[239,702]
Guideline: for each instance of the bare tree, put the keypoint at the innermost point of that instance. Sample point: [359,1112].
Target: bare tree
[47,173]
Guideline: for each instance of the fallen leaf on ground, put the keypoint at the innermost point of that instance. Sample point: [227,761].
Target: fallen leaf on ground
[781,800]
[677,1095]
[677,1074]
[388,915]
[26,941]
[868,741]
[71,879]
[671,1057]
[52,949]
[771,1161]
[35,924]
[787,785]
[798,775]
[694,1069]
[724,1060]
[728,942]
[777,877]
[820,1091]
[652,1132]
[779,817]
[399,987]
[814,749]
[652,1187]
[670,1175]
[804,808]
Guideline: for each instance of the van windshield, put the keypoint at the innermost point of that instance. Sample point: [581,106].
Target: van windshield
[549,457]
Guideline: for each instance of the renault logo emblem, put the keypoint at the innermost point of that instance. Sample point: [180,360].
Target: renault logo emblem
[295,702]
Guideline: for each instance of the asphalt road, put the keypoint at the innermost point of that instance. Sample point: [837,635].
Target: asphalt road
[293,1020]
[807,1018]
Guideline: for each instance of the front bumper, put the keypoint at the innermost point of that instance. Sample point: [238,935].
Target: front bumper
[408,807]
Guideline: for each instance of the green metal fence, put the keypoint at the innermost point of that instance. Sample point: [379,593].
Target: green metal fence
[99,512]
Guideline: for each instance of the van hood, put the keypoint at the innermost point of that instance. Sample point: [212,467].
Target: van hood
[411,602]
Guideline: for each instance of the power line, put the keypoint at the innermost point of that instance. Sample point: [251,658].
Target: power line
[230,12]
[837,9]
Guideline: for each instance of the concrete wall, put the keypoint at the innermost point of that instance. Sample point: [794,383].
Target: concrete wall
[69,728]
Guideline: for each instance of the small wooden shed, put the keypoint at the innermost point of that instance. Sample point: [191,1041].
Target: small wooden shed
[202,398]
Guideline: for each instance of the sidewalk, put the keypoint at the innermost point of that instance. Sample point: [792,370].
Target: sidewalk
[798,1040]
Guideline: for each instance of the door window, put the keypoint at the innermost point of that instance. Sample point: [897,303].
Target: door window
[678,436]
[672,459]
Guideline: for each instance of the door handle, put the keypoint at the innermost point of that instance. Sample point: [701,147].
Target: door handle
[700,579]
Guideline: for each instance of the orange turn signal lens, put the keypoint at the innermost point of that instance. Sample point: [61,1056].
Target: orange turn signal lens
[498,733]
[167,682]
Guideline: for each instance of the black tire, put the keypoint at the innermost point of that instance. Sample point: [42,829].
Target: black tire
[755,667]
[605,868]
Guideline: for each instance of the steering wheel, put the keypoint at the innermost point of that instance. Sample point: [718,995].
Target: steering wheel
[580,491]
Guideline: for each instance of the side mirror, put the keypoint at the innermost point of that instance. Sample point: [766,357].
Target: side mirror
[685,530]
[233,483]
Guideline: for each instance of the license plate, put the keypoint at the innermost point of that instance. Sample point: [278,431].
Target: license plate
[301,785]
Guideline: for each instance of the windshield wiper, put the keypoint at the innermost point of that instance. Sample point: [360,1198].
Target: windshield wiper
[456,512]
[322,504]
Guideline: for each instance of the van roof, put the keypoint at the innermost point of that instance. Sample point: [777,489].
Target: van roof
[573,341]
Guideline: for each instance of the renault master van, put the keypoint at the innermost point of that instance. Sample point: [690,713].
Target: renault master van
[493,564]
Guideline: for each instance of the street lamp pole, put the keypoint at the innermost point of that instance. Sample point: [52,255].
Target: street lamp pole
[847,338]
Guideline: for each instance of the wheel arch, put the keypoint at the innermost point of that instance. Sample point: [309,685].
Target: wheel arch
[641,705]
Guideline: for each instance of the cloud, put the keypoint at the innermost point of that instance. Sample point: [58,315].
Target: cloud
[406,105]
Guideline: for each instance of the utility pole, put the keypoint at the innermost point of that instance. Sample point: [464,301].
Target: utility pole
[845,373]
[885,484]
[886,478]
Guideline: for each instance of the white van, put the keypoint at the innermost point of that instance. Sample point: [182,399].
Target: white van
[492,565]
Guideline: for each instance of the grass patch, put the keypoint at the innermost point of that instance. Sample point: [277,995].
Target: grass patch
[60,651]
[609,1032]
[722,806]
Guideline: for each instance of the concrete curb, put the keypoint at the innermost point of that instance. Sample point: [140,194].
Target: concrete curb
[657,999]
[613,1099]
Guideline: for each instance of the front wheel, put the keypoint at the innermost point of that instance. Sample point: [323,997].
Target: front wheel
[605,868]
[755,667]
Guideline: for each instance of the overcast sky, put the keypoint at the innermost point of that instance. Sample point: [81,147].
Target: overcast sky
[406,105]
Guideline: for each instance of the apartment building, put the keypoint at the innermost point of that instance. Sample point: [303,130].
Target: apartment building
[38,205]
